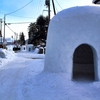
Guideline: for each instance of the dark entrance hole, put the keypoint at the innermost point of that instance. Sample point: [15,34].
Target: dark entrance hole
[83,63]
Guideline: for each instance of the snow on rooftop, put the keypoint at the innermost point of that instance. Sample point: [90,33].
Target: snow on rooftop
[77,11]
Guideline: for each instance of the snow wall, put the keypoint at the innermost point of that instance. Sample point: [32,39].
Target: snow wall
[68,30]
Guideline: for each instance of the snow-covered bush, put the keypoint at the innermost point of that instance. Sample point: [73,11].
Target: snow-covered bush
[2,54]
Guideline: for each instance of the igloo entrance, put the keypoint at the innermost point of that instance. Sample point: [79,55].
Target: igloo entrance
[83,63]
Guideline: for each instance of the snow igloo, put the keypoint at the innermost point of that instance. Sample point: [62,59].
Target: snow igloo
[73,43]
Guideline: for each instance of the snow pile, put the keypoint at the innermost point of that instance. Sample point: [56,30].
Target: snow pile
[36,50]
[6,56]
[10,47]
[2,54]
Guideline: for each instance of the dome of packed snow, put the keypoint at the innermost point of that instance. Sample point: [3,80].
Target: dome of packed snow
[73,42]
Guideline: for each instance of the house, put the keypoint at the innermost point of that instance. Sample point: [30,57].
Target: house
[9,41]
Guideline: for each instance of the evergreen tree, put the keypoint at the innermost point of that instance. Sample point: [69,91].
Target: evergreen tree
[38,31]
[22,39]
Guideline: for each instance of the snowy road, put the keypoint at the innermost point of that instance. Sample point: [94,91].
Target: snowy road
[23,79]
[14,74]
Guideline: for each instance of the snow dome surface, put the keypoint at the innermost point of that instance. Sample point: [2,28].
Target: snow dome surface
[68,30]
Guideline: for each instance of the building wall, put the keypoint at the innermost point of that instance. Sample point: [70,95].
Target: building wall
[69,29]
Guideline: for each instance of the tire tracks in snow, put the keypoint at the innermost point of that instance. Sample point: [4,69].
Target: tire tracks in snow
[11,80]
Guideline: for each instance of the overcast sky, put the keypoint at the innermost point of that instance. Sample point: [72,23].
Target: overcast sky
[30,12]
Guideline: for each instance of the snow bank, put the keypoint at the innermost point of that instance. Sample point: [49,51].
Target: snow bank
[2,54]
[6,56]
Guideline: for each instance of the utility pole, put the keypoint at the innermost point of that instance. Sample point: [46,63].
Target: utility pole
[49,10]
[47,3]
[0,27]
[4,26]
[53,7]
[0,33]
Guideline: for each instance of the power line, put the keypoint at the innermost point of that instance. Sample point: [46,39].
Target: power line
[56,9]
[19,8]
[41,5]
[13,12]
[19,23]
[1,12]
[58,4]
[10,29]
[22,17]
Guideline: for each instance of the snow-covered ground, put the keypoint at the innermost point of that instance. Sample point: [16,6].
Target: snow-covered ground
[22,78]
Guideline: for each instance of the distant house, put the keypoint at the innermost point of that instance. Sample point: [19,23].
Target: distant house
[9,41]
[28,47]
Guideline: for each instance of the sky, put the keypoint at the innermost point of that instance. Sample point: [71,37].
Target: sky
[29,13]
